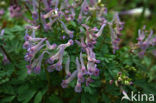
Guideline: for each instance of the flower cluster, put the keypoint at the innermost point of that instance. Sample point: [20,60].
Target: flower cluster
[84,73]
[115,28]
[58,57]
[33,45]
[56,12]
[15,11]
[145,40]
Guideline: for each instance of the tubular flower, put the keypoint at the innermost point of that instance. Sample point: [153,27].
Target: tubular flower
[50,47]
[68,73]
[45,2]
[91,36]
[2,32]
[88,81]
[58,57]
[85,7]
[78,87]
[38,65]
[65,83]
[33,49]
[83,68]
[33,45]
[80,74]
[34,13]
[70,33]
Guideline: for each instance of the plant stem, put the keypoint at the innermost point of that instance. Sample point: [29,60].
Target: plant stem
[48,78]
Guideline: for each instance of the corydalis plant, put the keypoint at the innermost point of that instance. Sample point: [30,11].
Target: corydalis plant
[57,14]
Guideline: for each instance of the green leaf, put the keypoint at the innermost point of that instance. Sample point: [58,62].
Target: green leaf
[29,96]
[84,99]
[38,97]
[55,99]
[105,98]
[7,99]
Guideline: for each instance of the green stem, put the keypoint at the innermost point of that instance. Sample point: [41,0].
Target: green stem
[48,78]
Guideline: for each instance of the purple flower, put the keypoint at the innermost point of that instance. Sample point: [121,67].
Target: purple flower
[15,11]
[88,81]
[115,31]
[68,73]
[80,74]
[37,69]
[31,46]
[2,32]
[45,2]
[51,47]
[83,68]
[80,17]
[78,88]
[70,33]
[81,79]
[65,83]
[31,38]
[34,49]
[96,72]
[58,56]
[1,12]
[144,41]
[85,7]
[5,59]
[100,31]
[29,68]
[34,13]
[38,65]
[26,45]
